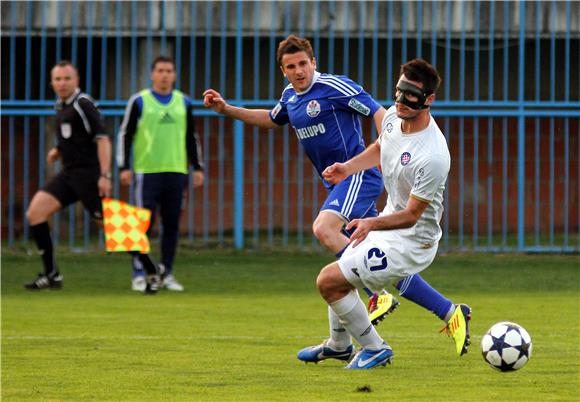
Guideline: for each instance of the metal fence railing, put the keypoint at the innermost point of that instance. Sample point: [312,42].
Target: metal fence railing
[509,106]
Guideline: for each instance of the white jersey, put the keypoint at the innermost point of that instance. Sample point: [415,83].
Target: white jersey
[415,165]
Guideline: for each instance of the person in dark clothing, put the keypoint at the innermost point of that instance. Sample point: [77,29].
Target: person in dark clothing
[158,131]
[85,150]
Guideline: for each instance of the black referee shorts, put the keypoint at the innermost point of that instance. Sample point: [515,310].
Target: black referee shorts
[81,184]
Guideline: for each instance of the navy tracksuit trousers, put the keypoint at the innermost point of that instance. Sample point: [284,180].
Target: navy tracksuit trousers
[163,191]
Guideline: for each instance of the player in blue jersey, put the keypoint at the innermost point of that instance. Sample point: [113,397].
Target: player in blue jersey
[325,111]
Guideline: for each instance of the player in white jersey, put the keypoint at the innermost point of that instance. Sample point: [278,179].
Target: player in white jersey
[402,241]
[325,111]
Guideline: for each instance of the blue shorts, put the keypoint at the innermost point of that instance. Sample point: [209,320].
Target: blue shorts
[355,197]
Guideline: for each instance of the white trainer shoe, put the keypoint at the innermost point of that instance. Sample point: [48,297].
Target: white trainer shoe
[170,283]
[138,283]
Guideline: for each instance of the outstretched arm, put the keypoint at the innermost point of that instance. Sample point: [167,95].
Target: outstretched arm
[257,117]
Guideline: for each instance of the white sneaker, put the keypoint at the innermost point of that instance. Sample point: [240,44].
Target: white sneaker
[138,283]
[170,283]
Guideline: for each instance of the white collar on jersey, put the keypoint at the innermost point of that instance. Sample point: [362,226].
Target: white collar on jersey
[70,99]
[314,79]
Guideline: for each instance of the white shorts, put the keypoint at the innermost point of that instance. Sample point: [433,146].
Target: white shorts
[384,258]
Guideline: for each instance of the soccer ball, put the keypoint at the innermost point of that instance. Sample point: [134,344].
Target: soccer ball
[506,346]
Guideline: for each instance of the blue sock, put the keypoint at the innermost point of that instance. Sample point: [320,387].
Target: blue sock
[415,288]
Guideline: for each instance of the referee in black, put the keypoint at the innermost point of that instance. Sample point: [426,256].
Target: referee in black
[85,150]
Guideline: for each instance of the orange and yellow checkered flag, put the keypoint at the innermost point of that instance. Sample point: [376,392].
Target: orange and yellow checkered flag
[125,226]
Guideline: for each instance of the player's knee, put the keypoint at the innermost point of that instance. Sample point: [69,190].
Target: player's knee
[323,233]
[33,215]
[323,284]
[326,284]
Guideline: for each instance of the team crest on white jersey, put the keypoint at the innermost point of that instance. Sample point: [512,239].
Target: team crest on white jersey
[405,158]
[313,108]
[389,127]
[66,130]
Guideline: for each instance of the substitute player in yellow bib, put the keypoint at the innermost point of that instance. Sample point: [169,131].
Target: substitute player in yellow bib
[158,132]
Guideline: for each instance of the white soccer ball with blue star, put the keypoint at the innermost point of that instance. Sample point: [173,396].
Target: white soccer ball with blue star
[506,346]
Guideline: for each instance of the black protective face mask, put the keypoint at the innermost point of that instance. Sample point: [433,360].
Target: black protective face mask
[408,89]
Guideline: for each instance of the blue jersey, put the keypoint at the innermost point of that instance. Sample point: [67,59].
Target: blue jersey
[326,118]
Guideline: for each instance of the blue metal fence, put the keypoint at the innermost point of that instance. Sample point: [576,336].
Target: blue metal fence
[509,106]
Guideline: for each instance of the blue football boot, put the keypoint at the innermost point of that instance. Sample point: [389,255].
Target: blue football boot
[370,358]
[314,354]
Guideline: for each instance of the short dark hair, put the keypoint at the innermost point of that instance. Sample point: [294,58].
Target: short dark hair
[421,71]
[294,44]
[162,59]
[66,63]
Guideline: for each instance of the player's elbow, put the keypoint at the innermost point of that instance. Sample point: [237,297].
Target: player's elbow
[266,123]
[410,219]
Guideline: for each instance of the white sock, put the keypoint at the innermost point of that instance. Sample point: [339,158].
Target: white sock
[353,316]
[339,339]
[450,313]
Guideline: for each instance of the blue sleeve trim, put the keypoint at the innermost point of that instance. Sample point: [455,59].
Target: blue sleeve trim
[139,104]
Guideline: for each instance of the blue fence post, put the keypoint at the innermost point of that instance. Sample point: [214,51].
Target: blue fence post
[346,40]
[419,30]
[74,32]
[162,28]
[28,67]
[271,71]
[12,61]
[256,130]
[567,75]
[26,151]
[118,46]
[104,34]
[178,36]
[221,126]
[207,84]
[192,92]
[521,131]
[314,174]
[11,182]
[239,141]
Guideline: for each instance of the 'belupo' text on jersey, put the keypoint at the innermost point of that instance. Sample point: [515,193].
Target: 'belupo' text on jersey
[326,118]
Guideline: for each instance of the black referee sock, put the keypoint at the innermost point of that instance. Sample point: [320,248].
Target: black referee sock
[148,265]
[41,234]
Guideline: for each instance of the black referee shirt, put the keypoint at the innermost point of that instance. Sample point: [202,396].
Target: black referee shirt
[78,124]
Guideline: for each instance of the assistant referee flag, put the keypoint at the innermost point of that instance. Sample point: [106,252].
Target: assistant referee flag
[125,226]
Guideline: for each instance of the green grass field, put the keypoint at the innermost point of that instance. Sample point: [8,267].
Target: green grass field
[234,333]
